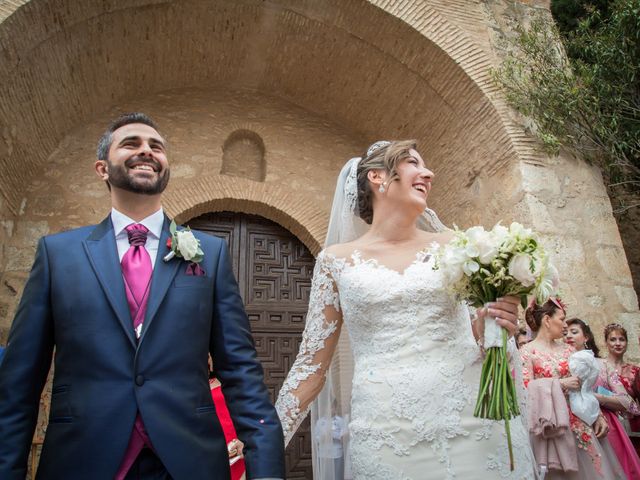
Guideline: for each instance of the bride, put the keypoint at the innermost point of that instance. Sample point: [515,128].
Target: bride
[417,363]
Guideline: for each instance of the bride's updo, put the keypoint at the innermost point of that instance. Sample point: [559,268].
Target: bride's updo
[380,156]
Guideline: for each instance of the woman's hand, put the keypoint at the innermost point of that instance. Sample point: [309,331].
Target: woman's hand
[235,448]
[504,310]
[601,427]
[569,383]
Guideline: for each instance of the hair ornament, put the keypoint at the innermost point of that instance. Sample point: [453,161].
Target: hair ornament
[557,301]
[379,144]
[613,326]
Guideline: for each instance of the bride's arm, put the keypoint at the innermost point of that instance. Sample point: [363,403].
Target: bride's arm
[307,375]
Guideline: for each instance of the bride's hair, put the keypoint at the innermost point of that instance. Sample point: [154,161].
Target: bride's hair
[535,313]
[385,157]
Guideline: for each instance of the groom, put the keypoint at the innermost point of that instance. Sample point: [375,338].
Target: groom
[131,334]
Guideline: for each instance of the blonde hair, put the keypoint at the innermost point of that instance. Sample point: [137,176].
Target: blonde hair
[384,158]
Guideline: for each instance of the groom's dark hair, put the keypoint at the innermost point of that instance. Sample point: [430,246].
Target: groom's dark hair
[104,144]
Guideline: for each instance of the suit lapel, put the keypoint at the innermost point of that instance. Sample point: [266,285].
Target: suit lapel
[103,255]
[163,275]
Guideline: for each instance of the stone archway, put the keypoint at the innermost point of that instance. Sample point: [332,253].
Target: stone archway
[338,60]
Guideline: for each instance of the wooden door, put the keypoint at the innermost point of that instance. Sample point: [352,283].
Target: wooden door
[274,271]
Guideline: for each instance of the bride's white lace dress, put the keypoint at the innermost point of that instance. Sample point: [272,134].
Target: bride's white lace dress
[416,375]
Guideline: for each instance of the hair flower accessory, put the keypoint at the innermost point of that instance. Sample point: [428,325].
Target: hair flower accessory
[183,244]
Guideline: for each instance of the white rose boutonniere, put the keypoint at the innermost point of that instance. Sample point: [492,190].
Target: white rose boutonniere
[183,244]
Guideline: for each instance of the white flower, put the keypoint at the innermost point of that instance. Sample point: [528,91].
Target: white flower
[553,275]
[486,244]
[187,244]
[519,268]
[475,233]
[470,267]
[517,230]
[451,263]
[499,232]
[471,250]
[548,284]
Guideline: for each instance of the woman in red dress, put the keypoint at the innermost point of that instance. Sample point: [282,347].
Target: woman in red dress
[615,336]
[234,445]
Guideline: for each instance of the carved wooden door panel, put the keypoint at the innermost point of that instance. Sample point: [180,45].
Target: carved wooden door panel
[274,271]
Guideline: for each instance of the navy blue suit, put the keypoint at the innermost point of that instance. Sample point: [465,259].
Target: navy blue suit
[74,301]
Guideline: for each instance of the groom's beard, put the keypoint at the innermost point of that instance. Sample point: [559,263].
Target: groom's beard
[120,178]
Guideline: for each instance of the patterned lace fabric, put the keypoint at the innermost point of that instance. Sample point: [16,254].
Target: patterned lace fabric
[611,380]
[628,374]
[416,374]
[308,371]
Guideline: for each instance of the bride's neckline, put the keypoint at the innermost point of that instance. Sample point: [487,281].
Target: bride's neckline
[421,256]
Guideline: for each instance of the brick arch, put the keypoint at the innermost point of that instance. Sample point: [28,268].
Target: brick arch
[65,65]
[294,211]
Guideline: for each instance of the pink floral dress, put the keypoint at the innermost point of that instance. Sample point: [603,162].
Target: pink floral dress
[617,437]
[595,462]
[630,378]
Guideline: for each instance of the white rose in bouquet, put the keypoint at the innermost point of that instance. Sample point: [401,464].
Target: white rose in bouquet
[485,244]
[520,269]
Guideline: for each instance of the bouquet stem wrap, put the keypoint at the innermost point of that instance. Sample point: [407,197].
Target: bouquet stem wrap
[492,333]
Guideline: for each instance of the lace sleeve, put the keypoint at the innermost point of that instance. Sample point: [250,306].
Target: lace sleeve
[616,386]
[307,375]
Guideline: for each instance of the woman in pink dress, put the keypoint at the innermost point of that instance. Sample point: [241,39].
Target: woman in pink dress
[615,336]
[545,358]
[612,396]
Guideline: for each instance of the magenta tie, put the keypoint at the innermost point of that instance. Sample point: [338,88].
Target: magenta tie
[136,271]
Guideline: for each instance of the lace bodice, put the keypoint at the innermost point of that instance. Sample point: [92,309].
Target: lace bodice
[628,373]
[412,345]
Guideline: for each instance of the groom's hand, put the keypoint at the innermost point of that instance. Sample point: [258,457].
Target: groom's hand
[504,310]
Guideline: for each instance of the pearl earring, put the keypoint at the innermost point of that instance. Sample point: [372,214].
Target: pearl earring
[381,189]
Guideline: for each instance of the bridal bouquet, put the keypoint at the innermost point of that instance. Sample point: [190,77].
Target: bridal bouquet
[481,266]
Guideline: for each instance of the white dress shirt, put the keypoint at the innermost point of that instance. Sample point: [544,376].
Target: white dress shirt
[153,222]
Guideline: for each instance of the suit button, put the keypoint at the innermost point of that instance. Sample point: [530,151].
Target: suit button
[139,380]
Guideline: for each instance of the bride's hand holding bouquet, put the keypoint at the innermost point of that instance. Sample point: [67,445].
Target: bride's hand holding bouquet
[491,270]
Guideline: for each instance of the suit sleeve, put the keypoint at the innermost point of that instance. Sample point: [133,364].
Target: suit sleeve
[24,369]
[238,368]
